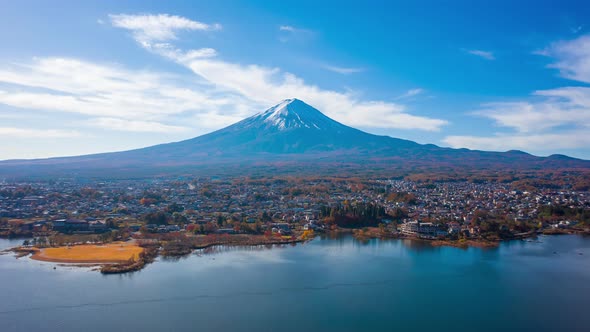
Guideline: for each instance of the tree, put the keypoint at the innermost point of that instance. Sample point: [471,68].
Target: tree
[172,208]
[158,218]
[178,218]
[209,228]
[147,201]
[111,223]
[193,228]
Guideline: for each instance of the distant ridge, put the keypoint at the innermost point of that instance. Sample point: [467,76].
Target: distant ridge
[291,131]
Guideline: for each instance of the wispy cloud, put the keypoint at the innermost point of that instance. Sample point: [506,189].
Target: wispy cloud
[289,32]
[410,93]
[169,51]
[109,96]
[287,28]
[266,86]
[292,29]
[343,70]
[552,119]
[135,125]
[534,143]
[572,58]
[37,133]
[263,86]
[482,54]
[529,117]
[161,27]
[147,99]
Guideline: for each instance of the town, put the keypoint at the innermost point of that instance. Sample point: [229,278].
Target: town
[280,205]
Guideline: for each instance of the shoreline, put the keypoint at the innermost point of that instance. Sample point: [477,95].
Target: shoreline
[151,251]
[482,244]
[249,245]
[73,261]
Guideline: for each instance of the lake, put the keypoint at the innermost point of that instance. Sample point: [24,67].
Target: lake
[324,285]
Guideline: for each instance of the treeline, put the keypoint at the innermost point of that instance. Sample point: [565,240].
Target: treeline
[164,218]
[549,212]
[355,214]
[345,181]
[172,215]
[59,240]
[500,227]
[20,192]
[239,227]
[402,197]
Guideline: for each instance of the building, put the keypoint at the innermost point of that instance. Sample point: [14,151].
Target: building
[425,230]
[410,228]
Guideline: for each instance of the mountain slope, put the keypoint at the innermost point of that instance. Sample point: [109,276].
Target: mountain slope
[290,127]
[290,131]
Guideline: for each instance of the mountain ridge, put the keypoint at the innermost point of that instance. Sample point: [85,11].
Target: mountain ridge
[293,131]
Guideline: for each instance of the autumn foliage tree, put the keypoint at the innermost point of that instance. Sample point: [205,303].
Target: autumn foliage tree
[354,214]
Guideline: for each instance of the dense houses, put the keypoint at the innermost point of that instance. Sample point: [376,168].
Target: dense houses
[430,210]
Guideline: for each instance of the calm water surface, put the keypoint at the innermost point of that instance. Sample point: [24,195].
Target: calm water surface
[325,285]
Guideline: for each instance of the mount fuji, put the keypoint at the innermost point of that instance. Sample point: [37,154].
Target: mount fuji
[290,127]
[293,132]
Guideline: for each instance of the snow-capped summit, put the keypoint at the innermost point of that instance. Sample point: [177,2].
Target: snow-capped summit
[292,126]
[292,114]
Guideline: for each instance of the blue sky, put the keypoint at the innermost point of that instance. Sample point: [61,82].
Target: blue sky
[84,77]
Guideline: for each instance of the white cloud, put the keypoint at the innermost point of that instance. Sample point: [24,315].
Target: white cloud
[289,32]
[113,97]
[534,142]
[558,107]
[482,54]
[169,51]
[265,86]
[410,93]
[293,30]
[287,28]
[572,58]
[343,70]
[568,96]
[551,119]
[37,133]
[111,91]
[135,125]
[162,27]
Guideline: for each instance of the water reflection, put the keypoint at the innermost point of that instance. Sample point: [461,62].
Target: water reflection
[11,242]
[418,245]
[213,250]
[335,283]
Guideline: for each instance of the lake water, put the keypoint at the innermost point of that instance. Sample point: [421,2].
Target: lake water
[324,285]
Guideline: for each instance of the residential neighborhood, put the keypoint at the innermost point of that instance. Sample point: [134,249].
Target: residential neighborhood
[241,205]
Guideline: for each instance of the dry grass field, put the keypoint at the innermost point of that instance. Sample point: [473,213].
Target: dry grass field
[116,252]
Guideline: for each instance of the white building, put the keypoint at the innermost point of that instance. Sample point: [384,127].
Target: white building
[426,230]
